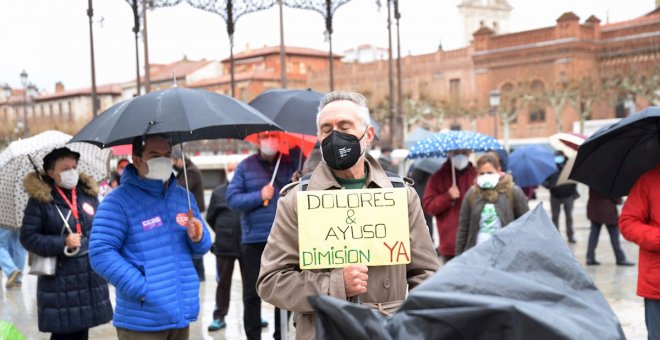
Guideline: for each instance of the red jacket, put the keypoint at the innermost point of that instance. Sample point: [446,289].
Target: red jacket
[437,202]
[640,223]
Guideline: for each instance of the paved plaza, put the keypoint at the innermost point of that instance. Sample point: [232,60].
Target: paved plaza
[618,284]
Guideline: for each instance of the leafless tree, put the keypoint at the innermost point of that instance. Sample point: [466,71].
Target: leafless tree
[584,94]
[514,99]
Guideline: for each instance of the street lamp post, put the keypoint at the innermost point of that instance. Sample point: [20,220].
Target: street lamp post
[24,81]
[494,103]
[6,92]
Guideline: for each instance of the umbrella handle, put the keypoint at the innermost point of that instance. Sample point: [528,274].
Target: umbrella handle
[197,228]
[71,251]
[272,179]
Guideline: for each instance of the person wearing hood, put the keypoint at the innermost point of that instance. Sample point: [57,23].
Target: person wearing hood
[443,198]
[491,204]
[58,222]
[143,242]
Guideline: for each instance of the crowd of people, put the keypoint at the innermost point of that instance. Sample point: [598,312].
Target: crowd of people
[147,237]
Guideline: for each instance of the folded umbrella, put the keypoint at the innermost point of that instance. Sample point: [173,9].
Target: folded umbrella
[522,283]
[614,157]
[531,165]
[15,165]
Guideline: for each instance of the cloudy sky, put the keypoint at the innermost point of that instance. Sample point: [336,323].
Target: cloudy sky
[50,38]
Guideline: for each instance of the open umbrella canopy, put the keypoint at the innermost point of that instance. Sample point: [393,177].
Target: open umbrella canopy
[614,157]
[293,110]
[15,165]
[567,142]
[531,165]
[186,114]
[439,144]
[522,283]
[289,141]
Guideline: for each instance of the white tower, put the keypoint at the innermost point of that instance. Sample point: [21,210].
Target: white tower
[491,13]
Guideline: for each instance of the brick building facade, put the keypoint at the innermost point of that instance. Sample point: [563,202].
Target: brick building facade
[583,70]
[257,70]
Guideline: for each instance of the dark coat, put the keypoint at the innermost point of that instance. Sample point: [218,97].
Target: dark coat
[244,195]
[75,298]
[560,191]
[437,202]
[602,209]
[195,183]
[225,222]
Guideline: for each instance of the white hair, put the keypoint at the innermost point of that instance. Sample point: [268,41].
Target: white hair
[357,98]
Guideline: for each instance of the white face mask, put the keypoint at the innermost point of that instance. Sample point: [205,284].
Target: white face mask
[69,179]
[230,175]
[460,162]
[488,181]
[159,168]
[269,146]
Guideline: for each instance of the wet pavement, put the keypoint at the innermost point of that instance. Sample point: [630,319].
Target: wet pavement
[618,285]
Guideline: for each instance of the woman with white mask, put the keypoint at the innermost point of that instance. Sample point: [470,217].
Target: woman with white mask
[58,223]
[491,204]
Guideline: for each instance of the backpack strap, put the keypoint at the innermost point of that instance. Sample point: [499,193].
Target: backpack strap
[395,179]
[303,182]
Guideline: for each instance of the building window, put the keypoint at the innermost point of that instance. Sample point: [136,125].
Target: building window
[620,110]
[303,68]
[455,89]
[537,116]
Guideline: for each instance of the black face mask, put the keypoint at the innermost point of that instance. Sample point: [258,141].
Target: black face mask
[341,150]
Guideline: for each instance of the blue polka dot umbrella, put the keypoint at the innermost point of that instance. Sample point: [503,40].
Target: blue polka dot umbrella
[439,144]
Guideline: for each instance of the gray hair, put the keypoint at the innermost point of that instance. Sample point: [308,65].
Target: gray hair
[352,96]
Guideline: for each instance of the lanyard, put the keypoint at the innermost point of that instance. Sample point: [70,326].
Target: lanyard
[72,205]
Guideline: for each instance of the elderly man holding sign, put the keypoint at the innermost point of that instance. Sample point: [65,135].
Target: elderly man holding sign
[368,245]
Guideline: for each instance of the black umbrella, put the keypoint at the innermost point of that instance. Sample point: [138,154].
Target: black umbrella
[186,114]
[523,283]
[614,157]
[293,110]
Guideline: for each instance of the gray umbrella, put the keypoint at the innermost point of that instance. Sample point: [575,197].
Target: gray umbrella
[522,283]
[186,114]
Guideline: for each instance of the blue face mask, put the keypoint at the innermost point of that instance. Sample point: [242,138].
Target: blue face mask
[560,159]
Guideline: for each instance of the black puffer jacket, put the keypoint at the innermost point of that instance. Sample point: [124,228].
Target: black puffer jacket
[75,298]
[225,222]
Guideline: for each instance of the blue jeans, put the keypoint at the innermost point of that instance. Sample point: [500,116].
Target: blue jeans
[12,253]
[652,314]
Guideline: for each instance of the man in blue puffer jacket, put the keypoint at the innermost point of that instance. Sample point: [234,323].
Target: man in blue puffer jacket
[143,243]
[247,193]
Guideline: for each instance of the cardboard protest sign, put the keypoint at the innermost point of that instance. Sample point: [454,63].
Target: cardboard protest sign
[337,228]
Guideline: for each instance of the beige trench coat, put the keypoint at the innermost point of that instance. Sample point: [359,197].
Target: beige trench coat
[284,285]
